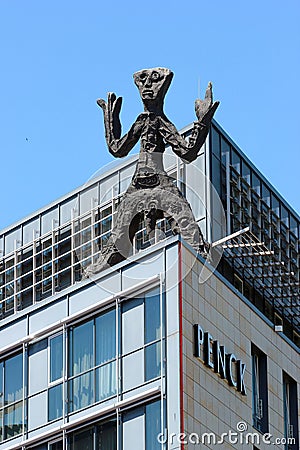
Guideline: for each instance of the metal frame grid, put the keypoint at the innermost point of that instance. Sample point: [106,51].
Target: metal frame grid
[263,269]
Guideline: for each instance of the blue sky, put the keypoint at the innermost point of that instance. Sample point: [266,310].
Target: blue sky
[58,57]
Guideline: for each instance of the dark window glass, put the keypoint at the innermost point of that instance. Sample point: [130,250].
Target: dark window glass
[265,194]
[1,426]
[56,357]
[13,379]
[1,386]
[56,446]
[152,316]
[294,225]
[105,337]
[107,436]
[275,204]
[246,171]
[216,174]
[290,412]
[260,390]
[152,361]
[153,426]
[225,148]
[82,440]
[13,421]
[215,141]
[55,402]
[82,348]
[235,161]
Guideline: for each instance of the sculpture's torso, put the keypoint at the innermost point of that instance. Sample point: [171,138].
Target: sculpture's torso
[152,147]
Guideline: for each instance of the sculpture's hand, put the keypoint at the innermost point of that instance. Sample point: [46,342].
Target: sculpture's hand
[111,110]
[205,109]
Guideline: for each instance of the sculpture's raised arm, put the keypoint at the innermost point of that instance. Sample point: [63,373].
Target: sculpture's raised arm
[188,150]
[117,145]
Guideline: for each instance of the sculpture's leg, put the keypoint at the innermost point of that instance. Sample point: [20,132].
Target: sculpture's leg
[178,211]
[165,198]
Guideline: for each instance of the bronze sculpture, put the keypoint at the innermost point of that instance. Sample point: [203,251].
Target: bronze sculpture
[151,188]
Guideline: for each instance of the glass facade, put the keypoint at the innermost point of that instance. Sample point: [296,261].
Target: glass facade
[270,282]
[88,362]
[92,357]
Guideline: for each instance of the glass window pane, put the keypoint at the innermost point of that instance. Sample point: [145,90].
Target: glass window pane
[49,221]
[216,174]
[153,426]
[11,240]
[107,436]
[83,440]
[1,386]
[81,391]
[235,161]
[125,177]
[56,357]
[152,316]
[152,361]
[215,140]
[88,199]
[55,402]
[106,381]
[31,230]
[82,350]
[13,379]
[56,446]
[109,188]
[225,149]
[1,428]
[67,210]
[13,420]
[105,337]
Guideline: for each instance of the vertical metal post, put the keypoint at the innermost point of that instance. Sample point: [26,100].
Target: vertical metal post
[228,224]
[15,275]
[64,390]
[162,388]
[23,391]
[34,236]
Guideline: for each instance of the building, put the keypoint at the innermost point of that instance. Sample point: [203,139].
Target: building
[165,350]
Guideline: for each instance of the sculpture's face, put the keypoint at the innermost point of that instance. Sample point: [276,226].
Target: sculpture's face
[153,83]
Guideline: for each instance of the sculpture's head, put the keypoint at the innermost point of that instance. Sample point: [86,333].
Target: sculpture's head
[153,83]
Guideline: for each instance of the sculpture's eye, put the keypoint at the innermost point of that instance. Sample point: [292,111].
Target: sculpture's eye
[142,77]
[155,76]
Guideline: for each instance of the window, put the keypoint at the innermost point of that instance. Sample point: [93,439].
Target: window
[290,406]
[153,426]
[141,427]
[152,335]
[58,445]
[260,390]
[100,437]
[55,392]
[92,354]
[141,339]
[11,397]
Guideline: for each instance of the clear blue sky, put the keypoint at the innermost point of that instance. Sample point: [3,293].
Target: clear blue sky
[58,56]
